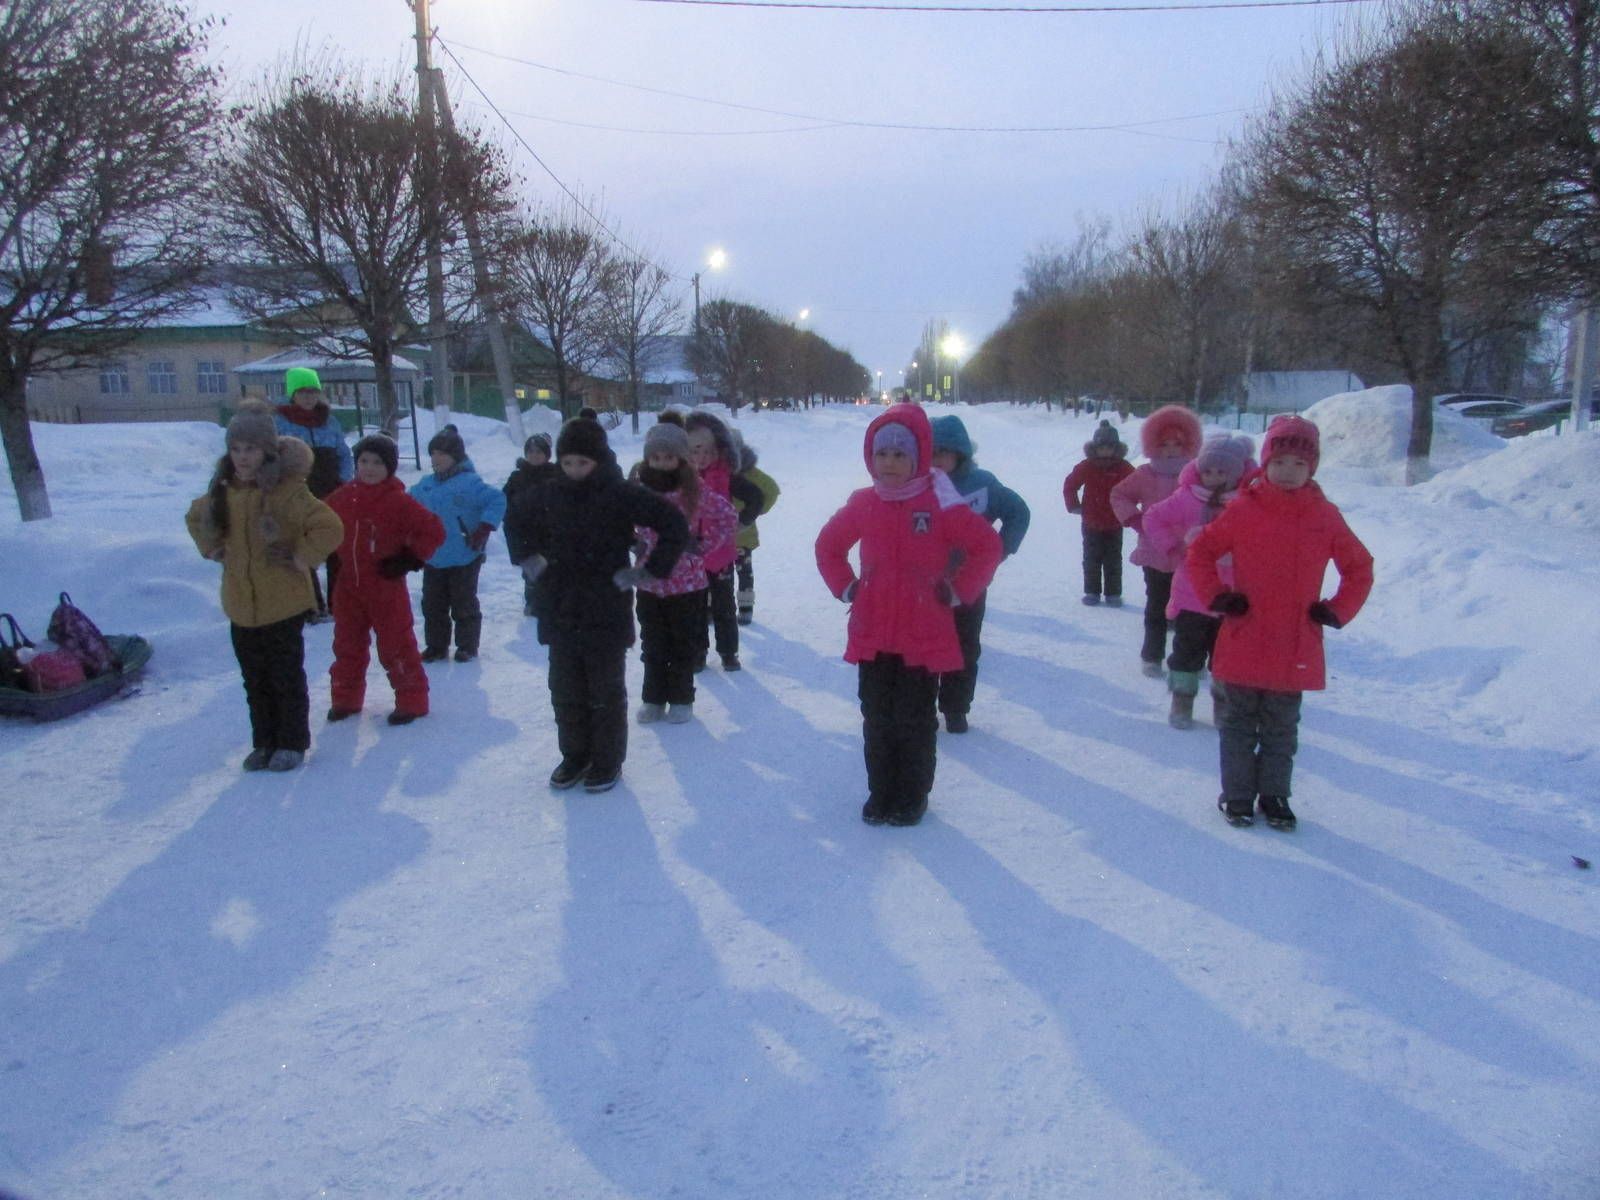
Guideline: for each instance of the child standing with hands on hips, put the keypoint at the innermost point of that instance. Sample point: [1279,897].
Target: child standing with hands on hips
[1104,465]
[1281,531]
[261,522]
[387,534]
[1169,437]
[922,552]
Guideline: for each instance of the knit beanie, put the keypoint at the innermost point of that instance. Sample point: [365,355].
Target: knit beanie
[254,425]
[1105,437]
[297,379]
[895,436]
[539,442]
[448,441]
[1226,452]
[582,436]
[383,446]
[1289,434]
[666,438]
[950,434]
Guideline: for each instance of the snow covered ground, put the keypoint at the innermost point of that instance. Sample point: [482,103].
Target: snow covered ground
[409,969]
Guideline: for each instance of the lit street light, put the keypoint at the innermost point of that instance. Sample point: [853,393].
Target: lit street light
[716,260]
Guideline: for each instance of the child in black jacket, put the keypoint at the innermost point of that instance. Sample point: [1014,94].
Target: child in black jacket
[572,540]
[533,469]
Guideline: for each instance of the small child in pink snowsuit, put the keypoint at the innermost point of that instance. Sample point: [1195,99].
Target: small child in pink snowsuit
[922,552]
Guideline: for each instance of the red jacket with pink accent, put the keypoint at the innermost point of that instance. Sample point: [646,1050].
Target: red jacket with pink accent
[906,548]
[1281,543]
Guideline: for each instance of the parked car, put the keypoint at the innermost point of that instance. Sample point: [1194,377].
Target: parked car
[1480,406]
[1531,418]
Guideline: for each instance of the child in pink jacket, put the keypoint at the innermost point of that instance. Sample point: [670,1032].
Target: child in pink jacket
[1169,437]
[1281,531]
[922,552]
[672,620]
[1204,487]
[714,455]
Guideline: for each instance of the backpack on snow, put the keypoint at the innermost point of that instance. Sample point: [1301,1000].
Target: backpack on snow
[10,663]
[75,633]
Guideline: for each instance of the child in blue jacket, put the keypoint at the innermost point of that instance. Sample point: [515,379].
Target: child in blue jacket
[470,510]
[994,502]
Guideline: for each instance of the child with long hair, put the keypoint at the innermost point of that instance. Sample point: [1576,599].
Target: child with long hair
[714,456]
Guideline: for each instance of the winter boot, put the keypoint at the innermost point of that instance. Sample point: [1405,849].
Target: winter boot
[566,774]
[1181,715]
[601,779]
[1237,814]
[1091,598]
[955,722]
[430,654]
[257,759]
[1275,811]
[340,713]
[873,812]
[398,717]
[285,760]
[680,714]
[730,662]
[1153,670]
[649,714]
[909,814]
[1113,601]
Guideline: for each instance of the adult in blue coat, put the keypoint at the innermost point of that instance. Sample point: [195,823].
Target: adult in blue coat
[306,416]
[998,504]
[470,510]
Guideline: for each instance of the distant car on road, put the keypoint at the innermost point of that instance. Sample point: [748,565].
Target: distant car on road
[1480,406]
[1531,418]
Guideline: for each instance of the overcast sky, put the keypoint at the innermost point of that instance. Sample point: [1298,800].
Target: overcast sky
[875,230]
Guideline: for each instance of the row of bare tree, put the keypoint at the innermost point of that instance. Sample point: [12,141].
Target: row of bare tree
[1421,200]
[128,187]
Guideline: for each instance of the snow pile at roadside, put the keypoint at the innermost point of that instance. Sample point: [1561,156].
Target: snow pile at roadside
[1367,431]
[1552,480]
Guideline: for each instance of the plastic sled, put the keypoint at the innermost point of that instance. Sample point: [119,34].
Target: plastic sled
[132,651]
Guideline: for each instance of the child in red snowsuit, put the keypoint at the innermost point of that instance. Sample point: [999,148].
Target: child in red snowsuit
[922,552]
[386,534]
[1281,531]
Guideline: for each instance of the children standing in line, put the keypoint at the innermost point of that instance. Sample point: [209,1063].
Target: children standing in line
[261,522]
[993,501]
[1204,487]
[470,510]
[1104,465]
[1169,437]
[386,535]
[672,610]
[923,552]
[577,534]
[533,469]
[749,537]
[712,453]
[1281,532]
[307,416]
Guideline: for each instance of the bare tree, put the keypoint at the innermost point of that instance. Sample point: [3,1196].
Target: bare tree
[561,272]
[323,198]
[1410,182]
[727,348]
[641,315]
[108,119]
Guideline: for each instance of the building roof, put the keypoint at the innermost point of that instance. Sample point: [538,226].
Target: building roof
[328,368]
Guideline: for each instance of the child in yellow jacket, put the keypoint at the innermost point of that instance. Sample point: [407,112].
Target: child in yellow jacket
[261,522]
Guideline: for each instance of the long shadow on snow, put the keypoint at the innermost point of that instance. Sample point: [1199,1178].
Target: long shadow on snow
[667,1077]
[236,907]
[1250,1117]
[1364,944]
[789,853]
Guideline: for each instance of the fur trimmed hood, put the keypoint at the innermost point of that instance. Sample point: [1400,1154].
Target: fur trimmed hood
[1171,420]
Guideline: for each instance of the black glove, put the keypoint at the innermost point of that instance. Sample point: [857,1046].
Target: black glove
[479,537]
[533,566]
[629,578]
[1230,604]
[946,591]
[1322,613]
[396,565]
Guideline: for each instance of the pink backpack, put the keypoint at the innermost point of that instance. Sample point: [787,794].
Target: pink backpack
[79,636]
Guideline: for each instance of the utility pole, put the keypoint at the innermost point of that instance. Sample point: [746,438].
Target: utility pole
[488,303]
[1586,330]
[438,333]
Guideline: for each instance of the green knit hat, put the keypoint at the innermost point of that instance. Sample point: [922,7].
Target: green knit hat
[298,378]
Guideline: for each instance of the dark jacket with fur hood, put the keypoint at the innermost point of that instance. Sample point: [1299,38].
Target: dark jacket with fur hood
[267,535]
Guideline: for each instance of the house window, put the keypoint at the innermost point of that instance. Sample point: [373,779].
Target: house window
[161,377]
[114,380]
[211,378]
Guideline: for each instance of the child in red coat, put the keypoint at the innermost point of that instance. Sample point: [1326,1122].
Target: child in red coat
[1281,531]
[922,552]
[1104,465]
[386,534]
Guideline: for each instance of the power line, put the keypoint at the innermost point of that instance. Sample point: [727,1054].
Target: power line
[1013,8]
[902,126]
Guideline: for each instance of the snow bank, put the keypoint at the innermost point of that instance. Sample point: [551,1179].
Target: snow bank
[1550,480]
[1367,432]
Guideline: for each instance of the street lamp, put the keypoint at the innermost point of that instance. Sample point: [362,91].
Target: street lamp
[918,370]
[805,314]
[880,385]
[953,348]
[716,260]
